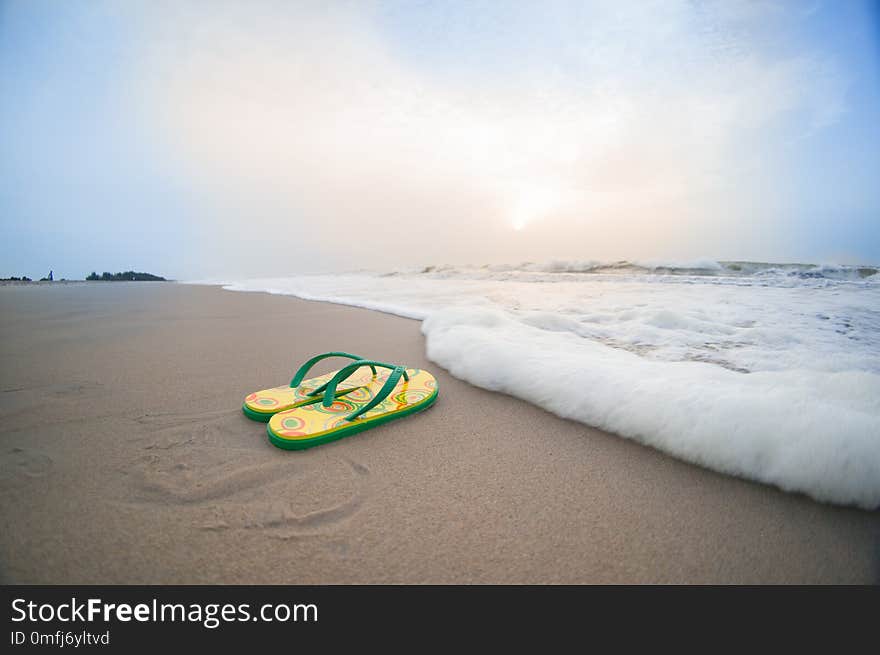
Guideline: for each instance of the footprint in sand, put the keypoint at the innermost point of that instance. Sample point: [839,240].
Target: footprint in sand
[21,399]
[19,465]
[166,421]
[164,431]
[248,489]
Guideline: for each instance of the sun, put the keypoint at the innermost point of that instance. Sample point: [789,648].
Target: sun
[532,202]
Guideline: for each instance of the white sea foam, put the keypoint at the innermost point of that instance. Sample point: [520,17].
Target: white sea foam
[767,371]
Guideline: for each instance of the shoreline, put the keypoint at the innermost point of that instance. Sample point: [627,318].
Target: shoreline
[481,488]
[686,394]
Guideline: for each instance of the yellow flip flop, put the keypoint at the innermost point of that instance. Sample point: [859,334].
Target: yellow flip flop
[390,395]
[262,405]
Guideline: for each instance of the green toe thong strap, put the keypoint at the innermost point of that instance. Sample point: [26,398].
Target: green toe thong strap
[330,388]
[305,368]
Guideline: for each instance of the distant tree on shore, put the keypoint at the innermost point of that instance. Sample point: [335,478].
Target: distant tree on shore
[125,276]
[16,279]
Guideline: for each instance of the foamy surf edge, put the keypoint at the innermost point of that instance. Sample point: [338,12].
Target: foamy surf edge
[387,308]
[691,410]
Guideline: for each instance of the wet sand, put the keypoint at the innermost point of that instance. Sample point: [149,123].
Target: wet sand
[125,458]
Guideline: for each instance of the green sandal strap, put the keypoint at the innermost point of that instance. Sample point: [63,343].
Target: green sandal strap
[346,372]
[396,373]
[301,373]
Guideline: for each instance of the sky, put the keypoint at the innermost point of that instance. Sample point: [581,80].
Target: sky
[217,140]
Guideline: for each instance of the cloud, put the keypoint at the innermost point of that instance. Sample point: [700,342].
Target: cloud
[316,138]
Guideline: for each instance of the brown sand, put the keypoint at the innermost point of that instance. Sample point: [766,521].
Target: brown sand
[124,458]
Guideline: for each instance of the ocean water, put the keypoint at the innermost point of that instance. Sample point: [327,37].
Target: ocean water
[766,371]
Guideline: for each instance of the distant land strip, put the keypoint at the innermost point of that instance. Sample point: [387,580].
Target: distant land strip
[125,276]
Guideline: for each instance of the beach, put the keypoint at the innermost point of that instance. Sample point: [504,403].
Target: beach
[125,458]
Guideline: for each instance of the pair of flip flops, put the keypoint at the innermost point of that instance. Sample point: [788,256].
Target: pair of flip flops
[357,397]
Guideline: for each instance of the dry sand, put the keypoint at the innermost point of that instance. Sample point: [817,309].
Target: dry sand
[124,458]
